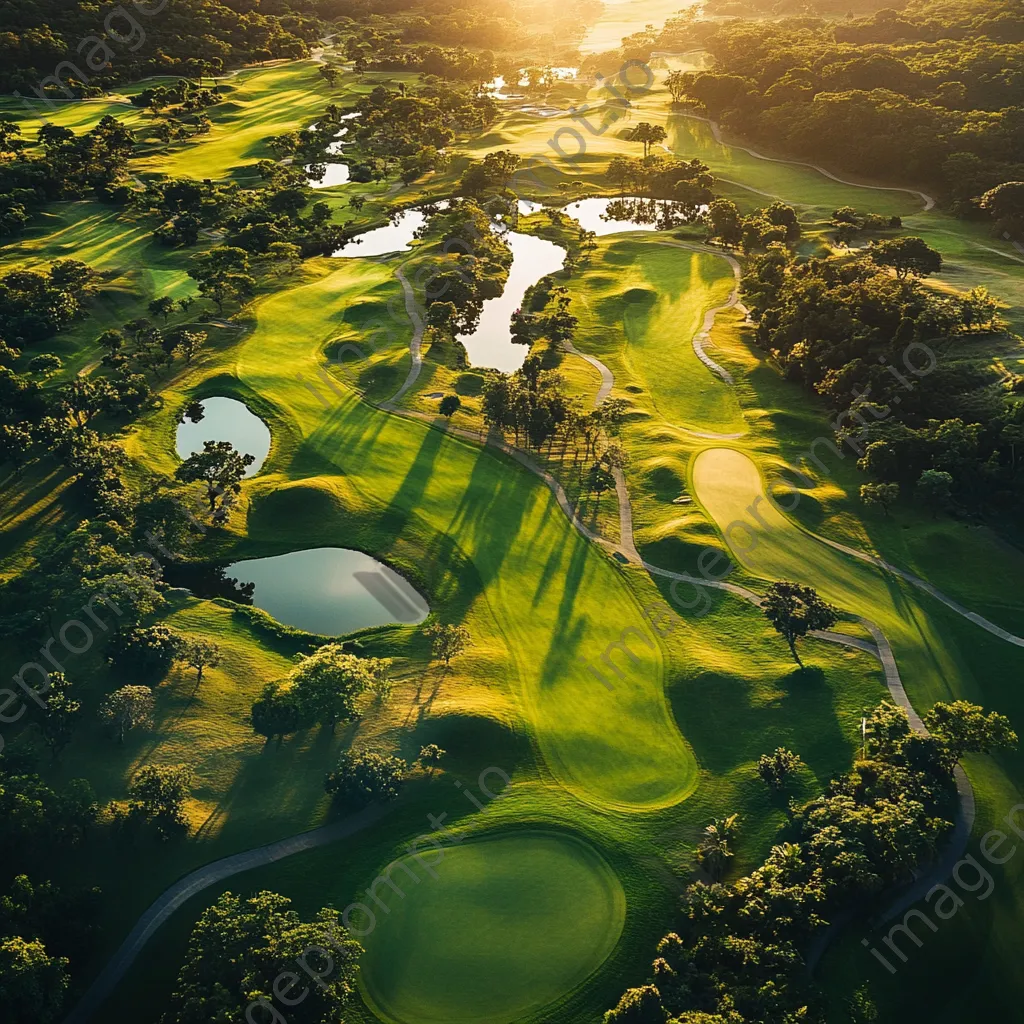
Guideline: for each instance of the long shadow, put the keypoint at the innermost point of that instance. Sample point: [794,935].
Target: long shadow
[567,633]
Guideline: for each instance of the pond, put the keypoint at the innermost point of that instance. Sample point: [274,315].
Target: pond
[223,419]
[609,216]
[491,344]
[334,174]
[331,591]
[393,237]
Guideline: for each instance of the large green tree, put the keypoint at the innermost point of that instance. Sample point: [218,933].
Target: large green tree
[244,952]
[328,683]
[795,611]
[32,983]
[221,469]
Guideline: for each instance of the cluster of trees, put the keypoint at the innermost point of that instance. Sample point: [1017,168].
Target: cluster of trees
[46,930]
[36,421]
[470,266]
[369,777]
[738,952]
[326,688]
[373,50]
[264,222]
[49,48]
[948,83]
[862,331]
[414,127]
[849,224]
[243,957]
[688,185]
[64,166]
[37,304]
[776,223]
[533,403]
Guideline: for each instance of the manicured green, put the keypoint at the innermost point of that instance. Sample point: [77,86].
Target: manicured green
[496,929]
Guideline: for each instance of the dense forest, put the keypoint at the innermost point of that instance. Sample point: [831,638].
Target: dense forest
[52,48]
[946,80]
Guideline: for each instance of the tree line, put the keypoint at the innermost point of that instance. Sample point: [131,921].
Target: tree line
[947,83]
[54,49]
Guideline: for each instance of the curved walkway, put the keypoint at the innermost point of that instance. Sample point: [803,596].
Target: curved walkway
[928,588]
[202,878]
[627,552]
[929,201]
[415,345]
[703,336]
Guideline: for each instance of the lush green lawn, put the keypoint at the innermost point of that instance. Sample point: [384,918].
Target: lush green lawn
[635,771]
[500,928]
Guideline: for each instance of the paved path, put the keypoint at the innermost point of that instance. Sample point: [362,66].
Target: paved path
[626,551]
[202,878]
[929,201]
[703,336]
[415,346]
[607,380]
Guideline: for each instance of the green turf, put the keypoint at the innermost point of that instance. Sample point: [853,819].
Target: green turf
[507,926]
[635,772]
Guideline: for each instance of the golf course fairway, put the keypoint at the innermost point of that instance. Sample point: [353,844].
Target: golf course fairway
[507,925]
[556,599]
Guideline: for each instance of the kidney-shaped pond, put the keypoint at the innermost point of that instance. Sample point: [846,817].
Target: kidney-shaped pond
[223,419]
[330,590]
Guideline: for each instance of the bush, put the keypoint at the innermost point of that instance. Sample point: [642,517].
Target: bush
[361,779]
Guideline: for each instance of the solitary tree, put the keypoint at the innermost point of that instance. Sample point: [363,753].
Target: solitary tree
[649,135]
[448,641]
[450,405]
[363,778]
[58,718]
[882,495]
[724,222]
[275,712]
[677,82]
[600,479]
[715,847]
[795,610]
[200,654]
[935,487]
[128,708]
[431,755]
[157,795]
[190,342]
[328,683]
[220,468]
[164,306]
[965,728]
[907,255]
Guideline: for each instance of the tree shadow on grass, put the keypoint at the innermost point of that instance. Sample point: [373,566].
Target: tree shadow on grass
[731,721]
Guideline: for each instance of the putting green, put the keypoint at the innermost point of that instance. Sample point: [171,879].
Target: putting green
[508,925]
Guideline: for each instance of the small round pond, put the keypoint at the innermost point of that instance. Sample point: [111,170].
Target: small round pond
[331,591]
[223,419]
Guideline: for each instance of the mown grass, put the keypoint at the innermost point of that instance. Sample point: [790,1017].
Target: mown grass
[486,543]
